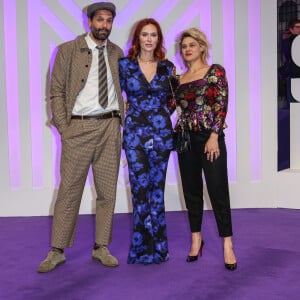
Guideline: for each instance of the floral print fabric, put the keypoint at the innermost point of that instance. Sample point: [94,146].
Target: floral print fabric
[147,123]
[147,140]
[204,102]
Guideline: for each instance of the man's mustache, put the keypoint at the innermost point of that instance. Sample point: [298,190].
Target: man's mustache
[102,29]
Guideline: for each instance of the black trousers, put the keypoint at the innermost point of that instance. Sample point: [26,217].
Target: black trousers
[191,165]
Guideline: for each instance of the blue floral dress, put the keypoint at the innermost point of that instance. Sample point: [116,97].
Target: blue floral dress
[147,140]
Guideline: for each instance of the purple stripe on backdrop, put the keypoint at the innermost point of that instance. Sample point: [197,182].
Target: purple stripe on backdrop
[128,13]
[12,96]
[206,20]
[35,91]
[55,141]
[164,9]
[255,104]
[71,8]
[229,64]
[37,10]
[184,22]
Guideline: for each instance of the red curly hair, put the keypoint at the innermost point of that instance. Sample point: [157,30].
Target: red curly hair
[159,52]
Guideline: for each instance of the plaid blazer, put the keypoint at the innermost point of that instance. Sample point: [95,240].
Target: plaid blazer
[69,75]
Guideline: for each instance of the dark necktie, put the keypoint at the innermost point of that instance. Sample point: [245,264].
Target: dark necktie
[102,84]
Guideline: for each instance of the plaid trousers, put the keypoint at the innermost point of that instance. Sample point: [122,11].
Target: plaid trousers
[86,143]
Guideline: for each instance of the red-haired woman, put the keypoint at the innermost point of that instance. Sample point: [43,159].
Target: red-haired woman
[147,139]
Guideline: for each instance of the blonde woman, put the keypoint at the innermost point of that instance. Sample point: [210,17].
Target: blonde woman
[203,98]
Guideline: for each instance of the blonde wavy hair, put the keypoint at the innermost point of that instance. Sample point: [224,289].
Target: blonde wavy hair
[197,35]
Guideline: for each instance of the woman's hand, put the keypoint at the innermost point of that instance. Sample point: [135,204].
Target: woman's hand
[212,147]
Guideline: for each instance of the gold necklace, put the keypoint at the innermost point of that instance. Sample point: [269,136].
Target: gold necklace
[199,69]
[146,61]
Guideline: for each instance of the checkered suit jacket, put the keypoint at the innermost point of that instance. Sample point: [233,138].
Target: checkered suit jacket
[70,72]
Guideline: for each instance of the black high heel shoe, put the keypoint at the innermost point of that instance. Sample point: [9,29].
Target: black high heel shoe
[191,258]
[231,267]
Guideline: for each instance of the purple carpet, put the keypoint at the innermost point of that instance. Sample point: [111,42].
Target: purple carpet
[267,246]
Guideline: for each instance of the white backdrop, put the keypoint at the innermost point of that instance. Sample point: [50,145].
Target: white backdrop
[244,38]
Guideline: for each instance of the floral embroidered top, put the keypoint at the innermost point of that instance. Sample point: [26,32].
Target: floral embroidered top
[147,123]
[204,102]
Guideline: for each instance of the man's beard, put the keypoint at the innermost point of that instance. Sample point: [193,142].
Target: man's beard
[100,34]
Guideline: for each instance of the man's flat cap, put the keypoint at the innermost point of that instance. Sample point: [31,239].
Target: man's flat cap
[101,6]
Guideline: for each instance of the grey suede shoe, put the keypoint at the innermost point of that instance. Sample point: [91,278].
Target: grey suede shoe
[103,255]
[53,260]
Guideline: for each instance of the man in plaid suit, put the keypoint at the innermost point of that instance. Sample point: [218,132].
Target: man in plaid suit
[90,133]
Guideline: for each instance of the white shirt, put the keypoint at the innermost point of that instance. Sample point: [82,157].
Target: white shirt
[87,101]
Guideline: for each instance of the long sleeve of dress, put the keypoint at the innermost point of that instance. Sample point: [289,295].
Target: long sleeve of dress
[217,97]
